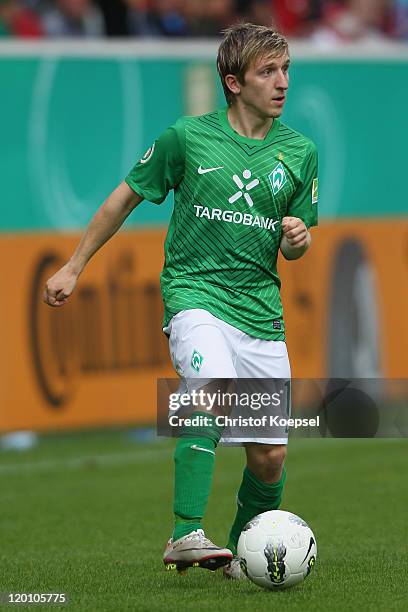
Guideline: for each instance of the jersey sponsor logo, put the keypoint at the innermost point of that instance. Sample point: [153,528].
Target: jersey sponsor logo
[277,178]
[235,216]
[148,154]
[315,190]
[202,170]
[243,189]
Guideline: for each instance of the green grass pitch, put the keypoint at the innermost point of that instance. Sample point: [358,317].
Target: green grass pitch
[89,514]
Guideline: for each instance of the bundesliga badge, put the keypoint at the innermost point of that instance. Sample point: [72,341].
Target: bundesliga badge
[148,154]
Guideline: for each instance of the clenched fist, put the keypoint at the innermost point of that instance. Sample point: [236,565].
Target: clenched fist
[295,238]
[60,286]
[295,231]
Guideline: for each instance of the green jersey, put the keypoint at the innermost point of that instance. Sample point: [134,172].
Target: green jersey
[231,194]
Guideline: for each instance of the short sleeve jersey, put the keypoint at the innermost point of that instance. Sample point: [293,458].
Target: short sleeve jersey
[231,193]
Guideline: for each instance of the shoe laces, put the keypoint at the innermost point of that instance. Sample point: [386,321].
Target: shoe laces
[201,536]
[203,539]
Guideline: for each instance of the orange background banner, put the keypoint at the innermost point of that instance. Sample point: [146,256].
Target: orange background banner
[96,360]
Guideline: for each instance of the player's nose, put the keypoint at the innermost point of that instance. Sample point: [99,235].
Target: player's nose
[282,80]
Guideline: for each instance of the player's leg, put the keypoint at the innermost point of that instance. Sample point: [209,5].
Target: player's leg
[261,487]
[200,354]
[264,475]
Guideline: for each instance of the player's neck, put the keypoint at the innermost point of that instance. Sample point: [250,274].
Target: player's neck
[247,123]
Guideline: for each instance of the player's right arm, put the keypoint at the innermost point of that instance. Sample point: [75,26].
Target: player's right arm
[105,223]
[160,170]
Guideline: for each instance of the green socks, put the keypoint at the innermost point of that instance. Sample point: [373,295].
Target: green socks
[194,459]
[254,497]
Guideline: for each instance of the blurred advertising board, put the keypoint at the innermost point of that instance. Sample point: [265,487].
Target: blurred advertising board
[96,360]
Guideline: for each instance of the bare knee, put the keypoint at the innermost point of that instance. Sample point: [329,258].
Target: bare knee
[266,461]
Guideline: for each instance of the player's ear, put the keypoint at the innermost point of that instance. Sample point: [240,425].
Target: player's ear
[233,84]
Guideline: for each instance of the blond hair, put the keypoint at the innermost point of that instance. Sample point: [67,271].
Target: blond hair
[244,43]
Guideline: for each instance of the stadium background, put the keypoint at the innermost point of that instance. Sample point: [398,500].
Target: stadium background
[86,509]
[75,118]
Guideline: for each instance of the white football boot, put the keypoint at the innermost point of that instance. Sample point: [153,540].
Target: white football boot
[195,550]
[233,570]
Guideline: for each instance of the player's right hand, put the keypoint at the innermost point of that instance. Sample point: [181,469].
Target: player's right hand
[59,287]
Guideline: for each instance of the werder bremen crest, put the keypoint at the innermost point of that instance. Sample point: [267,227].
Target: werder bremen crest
[196,360]
[277,178]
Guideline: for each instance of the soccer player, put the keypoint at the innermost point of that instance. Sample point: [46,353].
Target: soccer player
[245,188]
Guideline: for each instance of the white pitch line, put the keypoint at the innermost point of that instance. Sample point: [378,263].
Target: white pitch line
[86,461]
[300,445]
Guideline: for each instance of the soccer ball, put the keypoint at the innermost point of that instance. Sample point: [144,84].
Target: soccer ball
[277,549]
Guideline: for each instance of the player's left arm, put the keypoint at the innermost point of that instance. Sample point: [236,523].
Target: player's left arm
[296,238]
[302,210]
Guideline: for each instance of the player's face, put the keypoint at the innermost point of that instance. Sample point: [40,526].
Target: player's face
[265,86]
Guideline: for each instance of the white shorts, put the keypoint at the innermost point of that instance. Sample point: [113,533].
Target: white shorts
[205,348]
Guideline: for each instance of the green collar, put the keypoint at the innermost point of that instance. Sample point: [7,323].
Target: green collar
[222,114]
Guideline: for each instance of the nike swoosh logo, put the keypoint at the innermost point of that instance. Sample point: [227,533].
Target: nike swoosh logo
[200,448]
[202,170]
[309,549]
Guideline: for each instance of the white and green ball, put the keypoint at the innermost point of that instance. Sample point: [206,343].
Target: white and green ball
[277,549]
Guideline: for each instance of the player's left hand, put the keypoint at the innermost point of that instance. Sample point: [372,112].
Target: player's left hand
[295,231]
